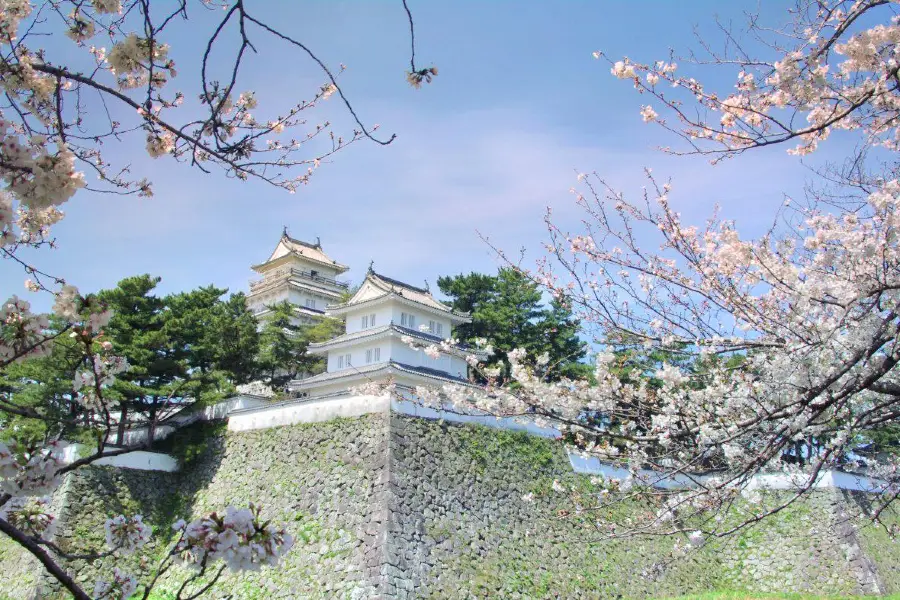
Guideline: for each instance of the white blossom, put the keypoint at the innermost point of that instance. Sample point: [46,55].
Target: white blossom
[125,534]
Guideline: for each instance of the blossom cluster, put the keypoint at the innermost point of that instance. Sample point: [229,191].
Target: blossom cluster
[22,333]
[121,586]
[127,534]
[255,388]
[102,373]
[40,177]
[31,515]
[240,538]
[831,76]
[29,473]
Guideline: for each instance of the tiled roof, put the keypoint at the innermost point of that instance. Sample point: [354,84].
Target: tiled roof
[405,291]
[375,331]
[308,250]
[410,292]
[384,366]
[429,372]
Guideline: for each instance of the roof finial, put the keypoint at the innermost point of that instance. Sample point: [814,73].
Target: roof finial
[372,267]
[318,242]
[427,289]
[284,232]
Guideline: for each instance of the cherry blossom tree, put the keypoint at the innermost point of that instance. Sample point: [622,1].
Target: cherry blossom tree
[77,76]
[769,355]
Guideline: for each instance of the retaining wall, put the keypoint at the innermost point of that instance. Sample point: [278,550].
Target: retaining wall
[387,505]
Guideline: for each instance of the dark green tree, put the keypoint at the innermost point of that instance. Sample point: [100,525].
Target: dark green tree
[284,342]
[282,348]
[155,382]
[215,335]
[508,310]
[44,385]
[236,333]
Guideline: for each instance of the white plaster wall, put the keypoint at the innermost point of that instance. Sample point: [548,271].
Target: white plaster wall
[333,359]
[402,353]
[299,298]
[422,318]
[308,412]
[382,317]
[322,271]
[768,481]
[143,461]
[267,298]
[458,366]
[220,410]
[414,409]
[139,459]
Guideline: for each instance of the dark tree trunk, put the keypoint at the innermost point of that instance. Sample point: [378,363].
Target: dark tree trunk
[123,418]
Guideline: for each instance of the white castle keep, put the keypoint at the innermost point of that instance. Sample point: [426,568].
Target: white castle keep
[301,273]
[378,317]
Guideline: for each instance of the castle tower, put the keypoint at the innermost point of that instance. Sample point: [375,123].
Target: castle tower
[378,316]
[301,273]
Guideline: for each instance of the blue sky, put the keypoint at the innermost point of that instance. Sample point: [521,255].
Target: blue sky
[518,107]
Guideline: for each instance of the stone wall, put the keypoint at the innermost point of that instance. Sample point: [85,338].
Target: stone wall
[323,480]
[83,503]
[391,506]
[460,528]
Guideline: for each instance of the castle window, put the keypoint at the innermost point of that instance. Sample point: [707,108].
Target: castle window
[372,320]
[364,321]
[310,303]
[373,355]
[407,320]
[436,328]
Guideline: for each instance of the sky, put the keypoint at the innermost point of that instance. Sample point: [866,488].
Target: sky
[518,108]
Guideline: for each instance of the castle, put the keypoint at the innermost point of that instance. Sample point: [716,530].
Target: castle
[302,274]
[388,501]
[379,316]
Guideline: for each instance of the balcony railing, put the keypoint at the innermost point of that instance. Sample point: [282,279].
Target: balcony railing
[282,274]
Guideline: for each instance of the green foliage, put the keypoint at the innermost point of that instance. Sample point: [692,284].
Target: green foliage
[214,334]
[508,310]
[184,348]
[283,344]
[188,444]
[190,347]
[744,595]
[44,385]
[484,446]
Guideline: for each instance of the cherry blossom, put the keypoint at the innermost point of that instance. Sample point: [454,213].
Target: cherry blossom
[122,586]
[31,515]
[240,538]
[125,534]
[722,356]
[31,473]
[828,75]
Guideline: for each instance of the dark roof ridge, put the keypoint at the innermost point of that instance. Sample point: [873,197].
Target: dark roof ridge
[397,282]
[316,246]
[431,372]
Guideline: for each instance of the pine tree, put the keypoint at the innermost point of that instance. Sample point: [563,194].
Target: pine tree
[282,353]
[153,386]
[508,310]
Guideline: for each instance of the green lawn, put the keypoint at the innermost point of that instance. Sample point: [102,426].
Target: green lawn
[752,596]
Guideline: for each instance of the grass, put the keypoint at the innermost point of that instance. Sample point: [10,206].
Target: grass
[735,595]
